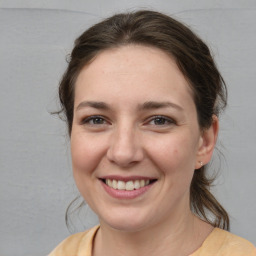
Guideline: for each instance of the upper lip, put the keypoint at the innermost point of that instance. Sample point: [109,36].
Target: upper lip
[125,179]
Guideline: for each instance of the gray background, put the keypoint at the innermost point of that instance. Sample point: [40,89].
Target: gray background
[36,181]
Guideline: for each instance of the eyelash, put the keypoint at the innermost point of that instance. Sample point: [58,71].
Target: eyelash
[94,118]
[163,120]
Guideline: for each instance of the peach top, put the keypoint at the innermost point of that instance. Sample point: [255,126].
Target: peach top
[218,243]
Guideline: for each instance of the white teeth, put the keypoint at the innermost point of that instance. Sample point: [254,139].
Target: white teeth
[114,184]
[137,184]
[109,182]
[121,185]
[129,185]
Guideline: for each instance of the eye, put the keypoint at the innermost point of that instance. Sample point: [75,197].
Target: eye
[94,120]
[161,121]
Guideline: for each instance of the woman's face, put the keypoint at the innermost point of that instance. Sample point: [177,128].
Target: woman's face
[135,139]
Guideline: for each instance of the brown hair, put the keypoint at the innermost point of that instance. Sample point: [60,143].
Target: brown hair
[193,58]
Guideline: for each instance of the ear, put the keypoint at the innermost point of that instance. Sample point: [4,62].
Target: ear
[207,143]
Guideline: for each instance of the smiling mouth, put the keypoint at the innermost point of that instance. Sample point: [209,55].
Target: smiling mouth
[128,185]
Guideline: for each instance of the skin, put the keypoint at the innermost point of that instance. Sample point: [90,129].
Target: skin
[127,139]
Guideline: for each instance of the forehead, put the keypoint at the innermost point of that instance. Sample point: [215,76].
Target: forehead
[145,71]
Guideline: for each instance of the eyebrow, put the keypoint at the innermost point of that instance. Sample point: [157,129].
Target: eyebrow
[157,105]
[145,106]
[93,104]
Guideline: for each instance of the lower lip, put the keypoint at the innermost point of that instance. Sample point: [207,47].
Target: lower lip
[126,194]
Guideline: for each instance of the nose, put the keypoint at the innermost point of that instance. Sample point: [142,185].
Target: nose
[125,147]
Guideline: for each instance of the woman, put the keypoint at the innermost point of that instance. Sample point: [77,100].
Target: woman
[142,97]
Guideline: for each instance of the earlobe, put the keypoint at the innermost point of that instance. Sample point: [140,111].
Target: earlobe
[207,143]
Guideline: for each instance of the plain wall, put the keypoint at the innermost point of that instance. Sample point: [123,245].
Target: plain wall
[36,182]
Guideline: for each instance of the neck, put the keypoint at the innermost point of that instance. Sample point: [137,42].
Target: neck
[181,235]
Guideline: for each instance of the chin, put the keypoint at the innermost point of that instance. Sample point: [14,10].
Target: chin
[127,227]
[131,223]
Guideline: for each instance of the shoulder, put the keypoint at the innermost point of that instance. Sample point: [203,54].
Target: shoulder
[76,244]
[221,242]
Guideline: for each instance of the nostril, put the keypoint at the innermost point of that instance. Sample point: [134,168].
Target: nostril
[124,157]
[124,149]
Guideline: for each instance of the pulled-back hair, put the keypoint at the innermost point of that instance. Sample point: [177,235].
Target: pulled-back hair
[193,58]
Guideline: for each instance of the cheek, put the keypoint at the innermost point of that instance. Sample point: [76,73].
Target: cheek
[175,158]
[173,151]
[86,153]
